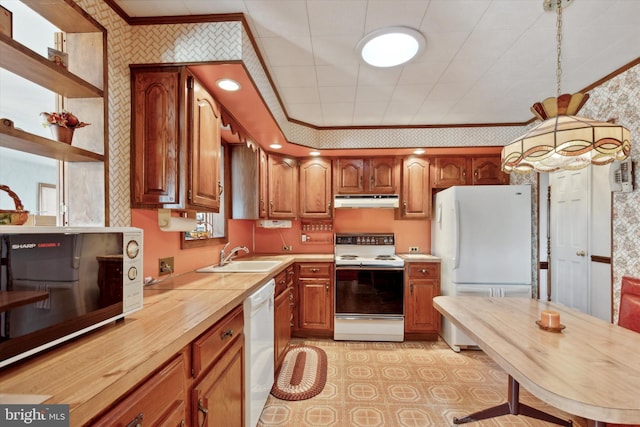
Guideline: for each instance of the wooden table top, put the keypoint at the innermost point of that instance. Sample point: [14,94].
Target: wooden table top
[590,369]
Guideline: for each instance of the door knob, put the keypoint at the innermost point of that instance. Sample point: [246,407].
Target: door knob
[581,253]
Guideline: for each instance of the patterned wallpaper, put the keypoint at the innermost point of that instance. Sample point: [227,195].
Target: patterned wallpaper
[618,98]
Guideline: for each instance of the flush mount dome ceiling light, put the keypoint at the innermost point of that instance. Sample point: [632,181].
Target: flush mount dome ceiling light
[391,46]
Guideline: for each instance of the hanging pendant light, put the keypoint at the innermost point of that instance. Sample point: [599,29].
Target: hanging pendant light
[564,140]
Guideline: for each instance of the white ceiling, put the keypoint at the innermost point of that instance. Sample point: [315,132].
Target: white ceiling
[486,61]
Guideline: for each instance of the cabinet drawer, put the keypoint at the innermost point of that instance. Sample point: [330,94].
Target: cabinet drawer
[157,401]
[216,340]
[315,270]
[281,282]
[431,270]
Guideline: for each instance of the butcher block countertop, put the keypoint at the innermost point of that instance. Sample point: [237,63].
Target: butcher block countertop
[419,258]
[91,372]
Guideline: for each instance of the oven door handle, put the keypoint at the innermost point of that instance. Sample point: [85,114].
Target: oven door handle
[337,316]
[366,267]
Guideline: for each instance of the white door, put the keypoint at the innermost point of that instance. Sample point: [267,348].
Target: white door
[569,238]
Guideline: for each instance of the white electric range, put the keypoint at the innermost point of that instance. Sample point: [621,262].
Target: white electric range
[369,288]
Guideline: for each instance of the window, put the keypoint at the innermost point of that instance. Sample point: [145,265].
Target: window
[22,102]
[212,227]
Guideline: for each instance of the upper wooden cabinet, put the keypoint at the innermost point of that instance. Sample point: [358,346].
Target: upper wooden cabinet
[204,151]
[315,188]
[283,187]
[487,171]
[263,183]
[448,171]
[175,159]
[415,202]
[375,175]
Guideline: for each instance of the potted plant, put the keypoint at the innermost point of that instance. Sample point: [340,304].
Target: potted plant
[62,125]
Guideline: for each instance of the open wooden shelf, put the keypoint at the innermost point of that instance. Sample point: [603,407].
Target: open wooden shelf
[66,15]
[29,143]
[24,62]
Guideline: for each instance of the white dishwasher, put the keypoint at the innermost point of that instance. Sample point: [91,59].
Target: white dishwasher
[259,352]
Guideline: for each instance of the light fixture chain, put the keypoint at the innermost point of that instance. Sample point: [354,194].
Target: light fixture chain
[559,47]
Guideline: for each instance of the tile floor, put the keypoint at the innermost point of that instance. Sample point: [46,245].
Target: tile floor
[409,384]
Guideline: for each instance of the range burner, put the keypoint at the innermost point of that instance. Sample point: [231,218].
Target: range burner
[366,249]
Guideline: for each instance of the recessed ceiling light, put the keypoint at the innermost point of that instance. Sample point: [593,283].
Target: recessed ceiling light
[391,46]
[276,146]
[418,151]
[228,85]
[314,153]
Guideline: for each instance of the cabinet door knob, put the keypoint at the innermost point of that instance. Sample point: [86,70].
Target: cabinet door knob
[220,188]
[202,407]
[315,270]
[411,288]
[226,334]
[423,271]
[137,421]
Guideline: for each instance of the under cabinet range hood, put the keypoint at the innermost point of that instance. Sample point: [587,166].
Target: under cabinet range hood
[389,201]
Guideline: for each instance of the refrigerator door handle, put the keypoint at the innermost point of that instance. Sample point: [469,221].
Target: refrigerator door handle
[456,235]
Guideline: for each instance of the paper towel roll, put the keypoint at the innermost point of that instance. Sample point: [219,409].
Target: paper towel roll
[166,222]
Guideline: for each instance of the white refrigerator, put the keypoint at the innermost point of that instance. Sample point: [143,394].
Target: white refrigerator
[482,235]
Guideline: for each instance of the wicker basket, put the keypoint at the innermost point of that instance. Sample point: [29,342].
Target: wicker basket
[16,217]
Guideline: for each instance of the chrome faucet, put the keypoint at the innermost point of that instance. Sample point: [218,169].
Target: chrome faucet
[224,259]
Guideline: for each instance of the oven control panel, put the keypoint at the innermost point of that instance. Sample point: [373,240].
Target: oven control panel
[377,239]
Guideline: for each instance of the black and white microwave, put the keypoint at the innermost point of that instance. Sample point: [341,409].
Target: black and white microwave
[59,282]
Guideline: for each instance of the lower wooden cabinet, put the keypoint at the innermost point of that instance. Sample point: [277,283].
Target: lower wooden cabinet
[203,385]
[315,299]
[422,284]
[159,401]
[283,314]
[217,397]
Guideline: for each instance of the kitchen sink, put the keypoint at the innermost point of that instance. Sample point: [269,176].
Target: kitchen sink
[253,266]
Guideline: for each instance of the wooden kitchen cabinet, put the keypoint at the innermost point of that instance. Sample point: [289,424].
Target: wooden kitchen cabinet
[375,175]
[159,401]
[422,284]
[217,398]
[283,187]
[263,183]
[283,312]
[488,171]
[175,160]
[315,299]
[448,171]
[204,151]
[415,202]
[315,188]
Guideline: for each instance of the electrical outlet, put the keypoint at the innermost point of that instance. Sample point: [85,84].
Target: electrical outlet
[165,266]
[414,249]
[287,248]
